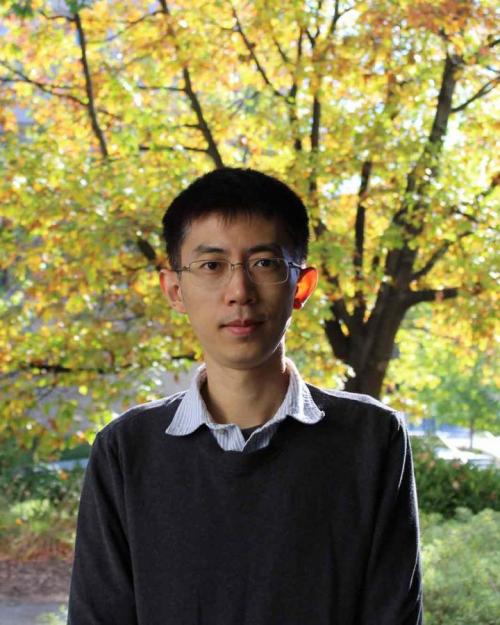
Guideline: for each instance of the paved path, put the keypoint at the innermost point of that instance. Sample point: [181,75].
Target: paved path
[14,612]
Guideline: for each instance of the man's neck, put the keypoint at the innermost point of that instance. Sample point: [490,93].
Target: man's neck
[247,397]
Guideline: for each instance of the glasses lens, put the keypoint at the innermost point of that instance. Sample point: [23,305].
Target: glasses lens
[210,271]
[260,271]
[268,270]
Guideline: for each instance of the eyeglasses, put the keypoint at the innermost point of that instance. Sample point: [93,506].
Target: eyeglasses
[259,270]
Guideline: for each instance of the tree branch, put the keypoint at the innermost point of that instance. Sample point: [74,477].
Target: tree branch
[443,109]
[292,116]
[50,368]
[45,87]
[320,229]
[457,211]
[438,254]
[171,148]
[335,19]
[315,125]
[281,52]
[316,118]
[441,251]
[338,306]
[48,88]
[251,50]
[410,217]
[430,295]
[360,240]
[161,88]
[212,149]
[46,367]
[312,39]
[292,98]
[89,87]
[164,7]
[318,19]
[337,339]
[360,219]
[67,17]
[485,89]
[148,251]
[130,24]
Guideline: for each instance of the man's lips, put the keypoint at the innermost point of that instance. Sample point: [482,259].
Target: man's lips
[242,322]
[242,327]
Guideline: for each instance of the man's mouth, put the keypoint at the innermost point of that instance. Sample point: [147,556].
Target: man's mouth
[242,327]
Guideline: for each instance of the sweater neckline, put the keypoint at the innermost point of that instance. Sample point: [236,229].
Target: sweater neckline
[237,462]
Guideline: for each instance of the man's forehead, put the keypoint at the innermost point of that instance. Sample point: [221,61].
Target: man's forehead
[250,233]
[272,246]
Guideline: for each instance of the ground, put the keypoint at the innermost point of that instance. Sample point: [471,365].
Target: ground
[29,589]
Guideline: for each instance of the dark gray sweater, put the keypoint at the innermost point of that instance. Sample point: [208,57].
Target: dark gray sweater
[318,528]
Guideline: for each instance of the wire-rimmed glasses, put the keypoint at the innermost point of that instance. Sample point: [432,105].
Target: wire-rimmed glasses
[217,272]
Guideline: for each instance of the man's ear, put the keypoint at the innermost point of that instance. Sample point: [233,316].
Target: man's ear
[170,285]
[306,284]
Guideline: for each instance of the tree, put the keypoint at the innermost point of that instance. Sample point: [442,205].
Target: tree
[378,112]
[461,386]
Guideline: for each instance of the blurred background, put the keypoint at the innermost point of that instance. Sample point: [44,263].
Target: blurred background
[382,115]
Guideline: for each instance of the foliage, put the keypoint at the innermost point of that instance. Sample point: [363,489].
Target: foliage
[444,486]
[36,529]
[461,568]
[39,507]
[379,113]
[13,456]
[459,381]
[39,482]
[58,618]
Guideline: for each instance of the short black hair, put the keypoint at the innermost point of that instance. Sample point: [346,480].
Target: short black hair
[230,192]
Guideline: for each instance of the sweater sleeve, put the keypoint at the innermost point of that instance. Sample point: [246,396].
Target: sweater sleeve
[392,589]
[101,584]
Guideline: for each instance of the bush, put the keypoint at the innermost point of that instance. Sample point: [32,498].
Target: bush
[39,507]
[55,618]
[461,567]
[444,486]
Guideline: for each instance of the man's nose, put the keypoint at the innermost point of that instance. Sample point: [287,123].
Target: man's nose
[239,288]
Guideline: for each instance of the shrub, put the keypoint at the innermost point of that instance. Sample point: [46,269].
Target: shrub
[55,618]
[39,482]
[461,568]
[444,486]
[39,507]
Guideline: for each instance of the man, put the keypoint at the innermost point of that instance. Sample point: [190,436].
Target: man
[252,498]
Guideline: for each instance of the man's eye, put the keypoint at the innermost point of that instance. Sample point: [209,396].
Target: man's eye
[266,263]
[211,266]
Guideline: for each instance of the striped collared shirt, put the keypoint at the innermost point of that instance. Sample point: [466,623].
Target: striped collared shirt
[192,413]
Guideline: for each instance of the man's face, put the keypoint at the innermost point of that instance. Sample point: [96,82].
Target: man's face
[239,324]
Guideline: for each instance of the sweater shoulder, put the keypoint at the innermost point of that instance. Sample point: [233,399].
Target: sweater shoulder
[153,414]
[343,404]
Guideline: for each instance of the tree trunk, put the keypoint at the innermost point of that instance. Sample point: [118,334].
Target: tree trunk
[367,344]
[372,346]
[369,382]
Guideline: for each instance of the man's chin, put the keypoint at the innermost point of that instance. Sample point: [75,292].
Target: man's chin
[252,359]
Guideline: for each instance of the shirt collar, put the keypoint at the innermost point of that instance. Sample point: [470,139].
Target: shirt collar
[192,412]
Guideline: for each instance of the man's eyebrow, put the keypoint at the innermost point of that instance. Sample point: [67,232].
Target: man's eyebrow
[208,249]
[266,247]
[262,247]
